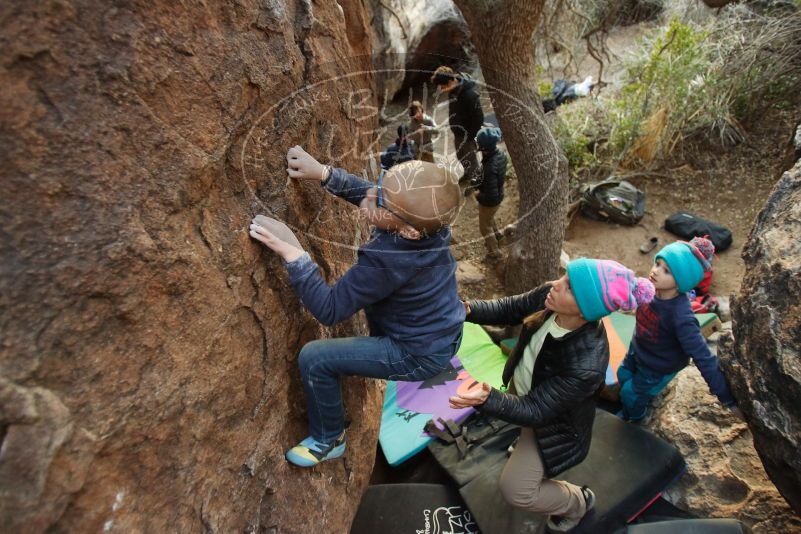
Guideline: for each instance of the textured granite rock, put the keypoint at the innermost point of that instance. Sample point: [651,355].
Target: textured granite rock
[724,477]
[412,38]
[147,346]
[763,360]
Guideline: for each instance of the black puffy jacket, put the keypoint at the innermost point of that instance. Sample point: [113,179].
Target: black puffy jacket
[568,373]
[493,175]
[464,109]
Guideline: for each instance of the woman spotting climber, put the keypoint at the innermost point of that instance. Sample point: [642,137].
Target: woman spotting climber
[555,371]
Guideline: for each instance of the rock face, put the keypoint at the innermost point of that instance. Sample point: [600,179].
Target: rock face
[148,380]
[414,35]
[763,362]
[725,477]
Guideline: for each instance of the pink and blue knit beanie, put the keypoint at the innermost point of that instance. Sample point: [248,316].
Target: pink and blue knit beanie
[604,286]
[688,261]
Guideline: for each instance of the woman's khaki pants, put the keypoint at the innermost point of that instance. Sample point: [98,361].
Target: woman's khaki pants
[523,483]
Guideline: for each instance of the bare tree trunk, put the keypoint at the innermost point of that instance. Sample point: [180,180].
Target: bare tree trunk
[501,31]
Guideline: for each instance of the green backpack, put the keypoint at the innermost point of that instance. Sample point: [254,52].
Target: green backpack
[613,200]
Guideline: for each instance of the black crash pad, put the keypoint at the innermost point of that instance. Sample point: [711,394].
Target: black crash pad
[412,508]
[627,468]
[691,526]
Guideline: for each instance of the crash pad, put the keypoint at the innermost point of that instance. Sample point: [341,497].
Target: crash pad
[627,467]
[408,406]
[691,526]
[410,508]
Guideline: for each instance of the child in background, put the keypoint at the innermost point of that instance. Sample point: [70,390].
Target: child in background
[423,130]
[668,335]
[404,279]
[490,188]
[401,151]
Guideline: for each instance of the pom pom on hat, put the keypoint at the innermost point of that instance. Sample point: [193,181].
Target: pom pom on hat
[644,291]
[707,250]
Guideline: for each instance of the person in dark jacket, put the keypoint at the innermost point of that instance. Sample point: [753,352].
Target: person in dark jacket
[401,151]
[555,371]
[465,115]
[490,187]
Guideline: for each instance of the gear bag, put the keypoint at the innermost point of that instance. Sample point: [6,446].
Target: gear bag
[466,450]
[613,200]
[686,225]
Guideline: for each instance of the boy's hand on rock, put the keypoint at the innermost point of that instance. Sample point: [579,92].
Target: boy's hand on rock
[277,236]
[300,164]
[466,305]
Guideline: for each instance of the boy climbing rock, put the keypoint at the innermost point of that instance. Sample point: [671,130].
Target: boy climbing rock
[403,279]
[667,335]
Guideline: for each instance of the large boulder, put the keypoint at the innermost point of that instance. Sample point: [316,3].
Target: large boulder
[724,477]
[412,38]
[148,378]
[763,361]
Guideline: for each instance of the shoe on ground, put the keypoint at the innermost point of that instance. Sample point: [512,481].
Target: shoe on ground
[649,245]
[311,452]
[563,524]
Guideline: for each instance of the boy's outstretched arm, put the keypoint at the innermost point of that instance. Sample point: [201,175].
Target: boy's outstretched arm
[277,236]
[302,165]
[693,343]
[363,284]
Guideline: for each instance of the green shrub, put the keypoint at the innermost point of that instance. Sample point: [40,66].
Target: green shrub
[684,80]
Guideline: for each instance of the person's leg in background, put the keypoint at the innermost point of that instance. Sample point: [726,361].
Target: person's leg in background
[466,153]
[487,228]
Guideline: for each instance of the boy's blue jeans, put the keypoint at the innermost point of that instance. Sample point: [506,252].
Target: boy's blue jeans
[322,362]
[638,385]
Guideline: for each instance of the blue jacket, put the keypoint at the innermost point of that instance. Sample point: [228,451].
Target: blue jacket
[406,287]
[395,154]
[493,175]
[668,335]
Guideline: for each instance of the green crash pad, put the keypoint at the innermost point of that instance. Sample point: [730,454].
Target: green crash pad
[408,406]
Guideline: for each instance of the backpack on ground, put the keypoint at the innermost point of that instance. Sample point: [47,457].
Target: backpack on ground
[613,200]
[686,225]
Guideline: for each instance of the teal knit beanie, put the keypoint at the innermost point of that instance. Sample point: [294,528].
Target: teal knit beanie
[487,138]
[688,261]
[604,286]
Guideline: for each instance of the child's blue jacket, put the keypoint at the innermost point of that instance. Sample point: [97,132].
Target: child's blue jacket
[406,287]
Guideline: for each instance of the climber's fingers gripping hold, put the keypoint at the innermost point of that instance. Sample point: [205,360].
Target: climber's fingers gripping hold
[300,164]
[276,236]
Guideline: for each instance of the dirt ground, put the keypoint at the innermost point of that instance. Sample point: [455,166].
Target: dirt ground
[727,187]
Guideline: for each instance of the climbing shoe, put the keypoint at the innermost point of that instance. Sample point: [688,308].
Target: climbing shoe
[563,524]
[311,452]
